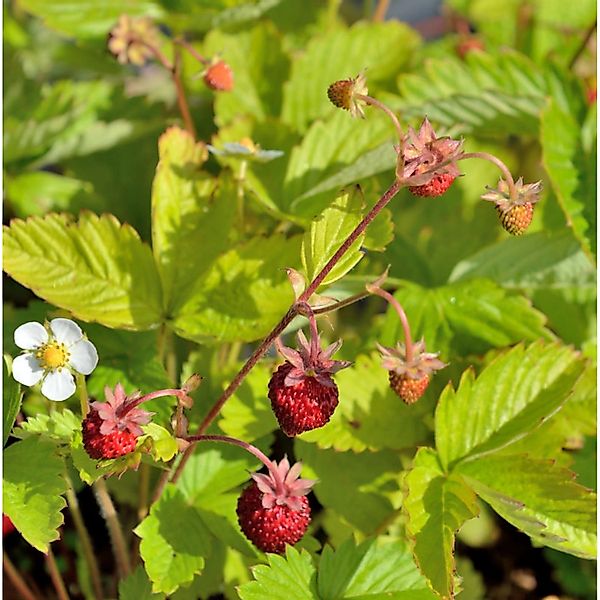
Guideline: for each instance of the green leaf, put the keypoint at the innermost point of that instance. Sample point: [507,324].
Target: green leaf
[437,505]
[188,223]
[174,543]
[492,93]
[41,192]
[163,446]
[247,415]
[32,490]
[536,261]
[571,172]
[12,397]
[328,232]
[97,268]
[374,569]
[539,498]
[515,393]
[87,18]
[243,294]
[464,317]
[381,48]
[370,416]
[292,578]
[58,426]
[137,586]
[372,477]
[328,148]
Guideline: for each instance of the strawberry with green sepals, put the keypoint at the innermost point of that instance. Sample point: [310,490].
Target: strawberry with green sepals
[516,211]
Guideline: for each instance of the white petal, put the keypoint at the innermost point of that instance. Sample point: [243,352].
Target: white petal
[30,335]
[58,385]
[26,369]
[84,357]
[66,331]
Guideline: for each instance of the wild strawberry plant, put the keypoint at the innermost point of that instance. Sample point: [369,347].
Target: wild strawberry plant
[203,203]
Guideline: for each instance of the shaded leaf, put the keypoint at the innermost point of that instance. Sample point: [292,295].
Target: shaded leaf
[137,586]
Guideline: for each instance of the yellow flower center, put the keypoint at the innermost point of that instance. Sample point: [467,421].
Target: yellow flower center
[52,355]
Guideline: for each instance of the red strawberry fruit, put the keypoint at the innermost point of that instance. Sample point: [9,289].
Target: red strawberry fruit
[111,428]
[302,392]
[219,76]
[436,187]
[273,510]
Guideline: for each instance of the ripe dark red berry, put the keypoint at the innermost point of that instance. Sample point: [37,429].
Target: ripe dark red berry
[409,390]
[98,446]
[436,187]
[304,406]
[219,77]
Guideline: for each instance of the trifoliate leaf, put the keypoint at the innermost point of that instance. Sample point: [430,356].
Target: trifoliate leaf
[137,586]
[370,416]
[572,173]
[243,295]
[327,233]
[437,505]
[32,490]
[539,498]
[514,394]
[292,578]
[96,268]
[174,543]
[377,568]
[464,317]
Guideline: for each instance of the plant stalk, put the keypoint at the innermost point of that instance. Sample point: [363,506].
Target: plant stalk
[182,102]
[107,509]
[496,161]
[83,395]
[84,538]
[278,329]
[16,578]
[57,580]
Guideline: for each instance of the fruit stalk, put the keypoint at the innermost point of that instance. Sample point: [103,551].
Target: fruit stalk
[514,195]
[403,318]
[55,576]
[16,578]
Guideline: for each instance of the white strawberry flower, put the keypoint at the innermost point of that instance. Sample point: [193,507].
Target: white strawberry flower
[52,353]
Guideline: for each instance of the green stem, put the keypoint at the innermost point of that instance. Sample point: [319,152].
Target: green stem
[83,395]
[16,578]
[84,538]
[108,512]
[57,580]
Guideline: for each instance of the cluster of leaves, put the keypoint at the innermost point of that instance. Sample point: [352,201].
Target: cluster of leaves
[191,278]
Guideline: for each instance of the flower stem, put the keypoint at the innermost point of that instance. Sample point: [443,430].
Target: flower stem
[57,580]
[84,538]
[340,304]
[107,509]
[83,395]
[185,44]
[278,329]
[582,46]
[388,111]
[16,578]
[380,11]
[403,318]
[496,161]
